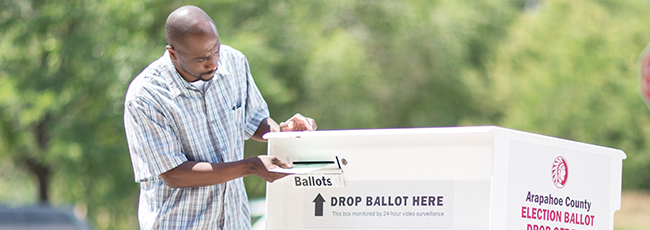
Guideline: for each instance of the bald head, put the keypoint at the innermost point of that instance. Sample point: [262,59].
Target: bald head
[188,21]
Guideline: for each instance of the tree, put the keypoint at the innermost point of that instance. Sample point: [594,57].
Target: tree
[555,69]
[569,69]
[368,64]
[63,79]
[364,64]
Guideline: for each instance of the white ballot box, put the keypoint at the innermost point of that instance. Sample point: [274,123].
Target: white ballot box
[442,178]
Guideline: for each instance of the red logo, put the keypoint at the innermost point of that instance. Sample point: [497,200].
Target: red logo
[560,172]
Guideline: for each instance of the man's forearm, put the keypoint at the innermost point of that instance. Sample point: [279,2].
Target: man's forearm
[198,174]
[267,125]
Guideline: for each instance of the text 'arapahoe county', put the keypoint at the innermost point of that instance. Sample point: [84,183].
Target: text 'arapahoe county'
[555,215]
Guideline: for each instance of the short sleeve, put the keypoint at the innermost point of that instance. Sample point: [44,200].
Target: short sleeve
[256,108]
[153,145]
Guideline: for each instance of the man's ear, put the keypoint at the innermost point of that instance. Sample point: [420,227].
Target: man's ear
[172,52]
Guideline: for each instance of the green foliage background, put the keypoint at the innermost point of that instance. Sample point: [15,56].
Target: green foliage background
[561,68]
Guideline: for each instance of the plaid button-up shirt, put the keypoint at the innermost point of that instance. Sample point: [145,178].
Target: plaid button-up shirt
[169,121]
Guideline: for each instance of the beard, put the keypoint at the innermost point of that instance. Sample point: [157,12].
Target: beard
[207,76]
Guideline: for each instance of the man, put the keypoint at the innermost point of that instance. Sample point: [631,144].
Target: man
[186,118]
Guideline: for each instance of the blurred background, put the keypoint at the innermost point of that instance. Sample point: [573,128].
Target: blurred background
[564,68]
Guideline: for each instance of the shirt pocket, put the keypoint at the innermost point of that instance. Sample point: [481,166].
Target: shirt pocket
[238,113]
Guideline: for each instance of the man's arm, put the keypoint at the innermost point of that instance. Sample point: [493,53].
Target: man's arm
[197,174]
[267,125]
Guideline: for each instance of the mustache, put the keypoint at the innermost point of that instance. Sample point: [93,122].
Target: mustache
[209,72]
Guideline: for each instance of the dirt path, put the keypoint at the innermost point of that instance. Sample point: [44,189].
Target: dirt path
[634,213]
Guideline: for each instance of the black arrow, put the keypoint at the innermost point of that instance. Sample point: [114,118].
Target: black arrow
[319,205]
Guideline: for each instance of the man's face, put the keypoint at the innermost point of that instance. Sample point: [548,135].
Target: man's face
[197,57]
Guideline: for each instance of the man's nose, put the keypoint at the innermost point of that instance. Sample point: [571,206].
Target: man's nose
[212,63]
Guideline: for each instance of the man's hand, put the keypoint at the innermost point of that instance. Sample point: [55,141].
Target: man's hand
[298,123]
[261,165]
[295,123]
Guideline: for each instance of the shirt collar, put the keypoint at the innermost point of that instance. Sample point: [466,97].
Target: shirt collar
[179,85]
